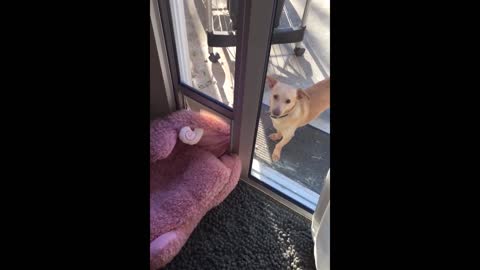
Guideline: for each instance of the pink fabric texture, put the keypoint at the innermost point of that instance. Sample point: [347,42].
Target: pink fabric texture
[186,181]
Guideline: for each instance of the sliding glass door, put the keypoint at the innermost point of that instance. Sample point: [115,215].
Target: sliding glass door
[219,54]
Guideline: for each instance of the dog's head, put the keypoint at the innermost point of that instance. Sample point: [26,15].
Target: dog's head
[283,97]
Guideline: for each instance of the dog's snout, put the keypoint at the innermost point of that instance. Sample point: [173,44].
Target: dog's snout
[276,112]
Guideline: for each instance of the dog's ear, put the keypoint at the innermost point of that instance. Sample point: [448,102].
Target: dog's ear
[302,94]
[271,81]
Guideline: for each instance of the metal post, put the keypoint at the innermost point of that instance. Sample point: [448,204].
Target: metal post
[253,47]
[209,22]
[174,98]
[306,12]
[304,19]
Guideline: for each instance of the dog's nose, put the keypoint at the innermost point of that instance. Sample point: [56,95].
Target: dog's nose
[276,112]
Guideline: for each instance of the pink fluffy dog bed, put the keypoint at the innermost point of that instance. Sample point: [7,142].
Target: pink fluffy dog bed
[190,173]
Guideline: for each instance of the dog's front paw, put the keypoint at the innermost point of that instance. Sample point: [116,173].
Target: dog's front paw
[276,155]
[275,136]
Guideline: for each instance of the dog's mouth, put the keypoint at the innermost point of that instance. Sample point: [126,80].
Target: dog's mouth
[277,117]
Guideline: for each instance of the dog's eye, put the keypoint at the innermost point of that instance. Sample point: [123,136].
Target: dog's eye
[287,101]
[275,96]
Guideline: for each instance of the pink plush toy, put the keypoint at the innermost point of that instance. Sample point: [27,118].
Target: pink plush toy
[190,173]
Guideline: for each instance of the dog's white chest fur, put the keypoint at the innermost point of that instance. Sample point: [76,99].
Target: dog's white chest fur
[277,123]
[282,123]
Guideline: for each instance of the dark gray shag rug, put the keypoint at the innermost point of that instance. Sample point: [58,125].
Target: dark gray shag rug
[248,231]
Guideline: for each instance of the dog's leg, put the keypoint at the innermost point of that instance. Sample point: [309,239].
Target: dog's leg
[287,136]
[275,136]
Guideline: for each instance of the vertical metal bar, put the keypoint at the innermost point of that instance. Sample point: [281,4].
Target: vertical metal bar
[305,13]
[304,18]
[209,16]
[158,30]
[209,21]
[253,47]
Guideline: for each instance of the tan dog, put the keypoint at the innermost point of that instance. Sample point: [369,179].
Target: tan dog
[291,108]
